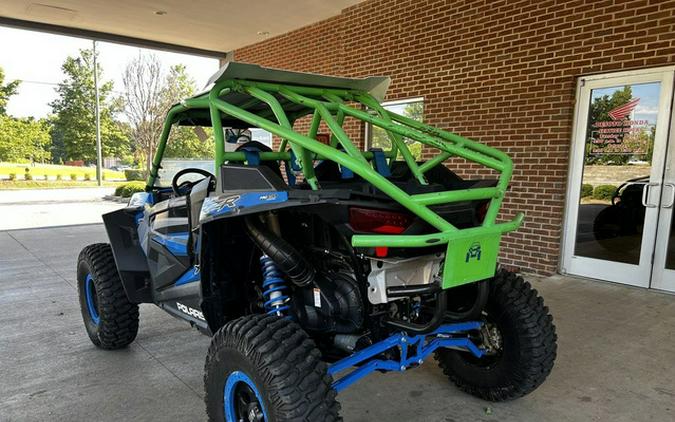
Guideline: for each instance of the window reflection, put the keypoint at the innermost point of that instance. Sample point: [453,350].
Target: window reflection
[413,109]
[617,164]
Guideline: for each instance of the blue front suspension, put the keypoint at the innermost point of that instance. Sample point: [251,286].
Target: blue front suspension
[274,287]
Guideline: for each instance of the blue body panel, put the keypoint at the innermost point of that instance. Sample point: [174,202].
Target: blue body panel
[176,243]
[221,205]
[189,276]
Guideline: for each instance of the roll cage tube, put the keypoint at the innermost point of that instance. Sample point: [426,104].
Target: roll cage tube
[331,106]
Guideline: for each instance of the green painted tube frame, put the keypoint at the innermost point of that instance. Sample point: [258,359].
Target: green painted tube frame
[332,106]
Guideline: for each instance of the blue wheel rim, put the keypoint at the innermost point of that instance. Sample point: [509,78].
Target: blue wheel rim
[90,294]
[233,385]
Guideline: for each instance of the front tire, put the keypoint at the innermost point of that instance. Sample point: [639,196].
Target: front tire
[522,349]
[265,368]
[110,319]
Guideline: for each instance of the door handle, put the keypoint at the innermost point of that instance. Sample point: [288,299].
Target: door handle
[645,194]
[672,195]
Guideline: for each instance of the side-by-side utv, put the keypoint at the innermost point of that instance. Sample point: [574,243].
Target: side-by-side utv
[318,263]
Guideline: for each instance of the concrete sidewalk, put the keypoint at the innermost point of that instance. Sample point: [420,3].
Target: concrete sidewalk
[615,359]
[38,196]
[30,208]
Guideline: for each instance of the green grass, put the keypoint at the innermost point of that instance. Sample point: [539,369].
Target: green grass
[53,170]
[52,184]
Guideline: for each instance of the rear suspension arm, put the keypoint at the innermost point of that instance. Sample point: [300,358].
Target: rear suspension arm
[413,350]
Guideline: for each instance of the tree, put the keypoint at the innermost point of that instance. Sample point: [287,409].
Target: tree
[74,125]
[380,139]
[20,139]
[6,91]
[24,139]
[416,112]
[143,104]
[149,96]
[185,141]
[58,147]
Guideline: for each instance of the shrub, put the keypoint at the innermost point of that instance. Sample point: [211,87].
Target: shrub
[103,176]
[87,176]
[12,176]
[27,175]
[134,174]
[604,192]
[127,189]
[73,176]
[59,177]
[586,190]
[46,177]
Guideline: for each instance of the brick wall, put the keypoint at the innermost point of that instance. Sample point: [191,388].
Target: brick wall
[501,72]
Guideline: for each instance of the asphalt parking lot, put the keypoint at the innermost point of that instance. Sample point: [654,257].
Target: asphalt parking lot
[615,359]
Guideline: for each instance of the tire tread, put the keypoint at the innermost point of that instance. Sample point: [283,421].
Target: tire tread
[537,335]
[119,317]
[297,382]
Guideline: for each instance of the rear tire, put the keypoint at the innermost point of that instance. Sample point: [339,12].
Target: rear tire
[528,344]
[269,368]
[110,319]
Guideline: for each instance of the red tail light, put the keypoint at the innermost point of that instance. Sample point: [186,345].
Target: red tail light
[378,221]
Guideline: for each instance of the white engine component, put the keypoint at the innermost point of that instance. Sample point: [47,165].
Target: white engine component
[404,272]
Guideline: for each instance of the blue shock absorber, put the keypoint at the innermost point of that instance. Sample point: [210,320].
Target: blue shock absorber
[273,288]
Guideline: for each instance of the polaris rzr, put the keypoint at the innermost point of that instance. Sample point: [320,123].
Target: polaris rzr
[318,263]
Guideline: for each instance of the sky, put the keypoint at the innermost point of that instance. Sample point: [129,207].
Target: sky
[36,59]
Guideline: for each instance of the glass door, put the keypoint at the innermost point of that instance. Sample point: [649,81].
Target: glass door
[664,254]
[616,176]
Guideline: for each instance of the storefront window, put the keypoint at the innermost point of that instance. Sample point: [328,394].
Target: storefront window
[412,108]
[617,167]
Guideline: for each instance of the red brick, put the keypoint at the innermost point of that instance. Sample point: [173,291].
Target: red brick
[501,72]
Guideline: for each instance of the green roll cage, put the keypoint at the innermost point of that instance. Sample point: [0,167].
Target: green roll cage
[331,106]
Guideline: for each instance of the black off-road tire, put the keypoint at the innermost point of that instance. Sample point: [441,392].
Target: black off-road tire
[117,317]
[528,344]
[283,363]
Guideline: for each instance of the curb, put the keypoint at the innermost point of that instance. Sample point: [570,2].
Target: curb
[114,198]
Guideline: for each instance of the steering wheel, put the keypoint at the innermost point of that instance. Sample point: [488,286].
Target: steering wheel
[178,189]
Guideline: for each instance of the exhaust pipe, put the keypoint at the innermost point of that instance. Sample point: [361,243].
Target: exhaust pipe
[287,258]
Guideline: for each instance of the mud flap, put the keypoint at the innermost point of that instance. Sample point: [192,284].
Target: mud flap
[129,257]
[470,259]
